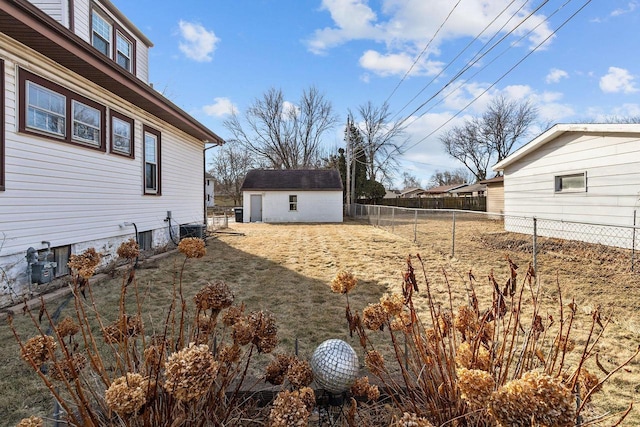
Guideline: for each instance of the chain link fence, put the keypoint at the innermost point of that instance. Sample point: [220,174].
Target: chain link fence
[456,233]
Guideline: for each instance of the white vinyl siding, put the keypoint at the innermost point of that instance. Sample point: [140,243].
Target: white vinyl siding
[54,8]
[70,195]
[612,167]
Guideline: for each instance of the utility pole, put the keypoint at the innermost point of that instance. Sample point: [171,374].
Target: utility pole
[348,180]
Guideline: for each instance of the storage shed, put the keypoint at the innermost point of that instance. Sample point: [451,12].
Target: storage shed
[296,195]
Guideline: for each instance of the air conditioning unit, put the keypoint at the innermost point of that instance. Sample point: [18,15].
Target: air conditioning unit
[192,230]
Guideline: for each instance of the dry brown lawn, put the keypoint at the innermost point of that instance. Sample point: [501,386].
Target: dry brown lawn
[287,269]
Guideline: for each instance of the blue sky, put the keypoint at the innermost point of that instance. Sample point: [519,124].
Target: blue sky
[575,60]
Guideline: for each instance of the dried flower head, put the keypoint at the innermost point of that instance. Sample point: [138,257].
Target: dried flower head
[38,349]
[242,332]
[125,327]
[392,304]
[67,327]
[233,314]
[84,264]
[214,296]
[362,388]
[263,324]
[402,322]
[229,354]
[588,381]
[343,282]
[308,396]
[374,361]
[374,317]
[465,357]
[466,321]
[68,368]
[129,249]
[535,399]
[300,373]
[277,369]
[192,247]
[32,421]
[564,343]
[126,394]
[190,372]
[475,387]
[153,357]
[410,420]
[289,409]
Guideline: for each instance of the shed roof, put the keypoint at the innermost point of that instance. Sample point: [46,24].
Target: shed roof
[292,179]
[443,189]
[469,188]
[559,129]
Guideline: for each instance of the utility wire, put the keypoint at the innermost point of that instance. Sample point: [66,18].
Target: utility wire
[423,51]
[504,74]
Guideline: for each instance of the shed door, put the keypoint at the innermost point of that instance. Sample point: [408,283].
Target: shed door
[256,208]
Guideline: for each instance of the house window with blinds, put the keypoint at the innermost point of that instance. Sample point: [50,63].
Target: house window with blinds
[293,202]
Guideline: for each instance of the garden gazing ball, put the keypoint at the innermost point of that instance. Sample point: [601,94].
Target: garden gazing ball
[335,366]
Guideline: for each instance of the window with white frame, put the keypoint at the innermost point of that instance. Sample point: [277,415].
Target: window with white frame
[293,202]
[86,123]
[46,110]
[571,183]
[151,161]
[124,51]
[101,33]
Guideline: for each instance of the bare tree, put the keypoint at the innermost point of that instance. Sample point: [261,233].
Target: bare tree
[458,176]
[283,135]
[409,181]
[382,141]
[229,167]
[491,137]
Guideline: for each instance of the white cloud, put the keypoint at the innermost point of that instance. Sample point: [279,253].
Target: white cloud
[555,75]
[197,42]
[220,108]
[396,64]
[631,6]
[618,80]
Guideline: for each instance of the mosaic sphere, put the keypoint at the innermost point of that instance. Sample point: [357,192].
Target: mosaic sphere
[335,366]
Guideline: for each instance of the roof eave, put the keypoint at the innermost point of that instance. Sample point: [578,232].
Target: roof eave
[27,24]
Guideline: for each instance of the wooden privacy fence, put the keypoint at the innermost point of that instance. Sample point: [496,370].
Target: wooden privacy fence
[477,204]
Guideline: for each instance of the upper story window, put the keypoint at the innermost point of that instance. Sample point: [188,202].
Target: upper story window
[571,183]
[101,33]
[52,111]
[112,40]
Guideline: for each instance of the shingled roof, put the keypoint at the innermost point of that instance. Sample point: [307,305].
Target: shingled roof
[292,179]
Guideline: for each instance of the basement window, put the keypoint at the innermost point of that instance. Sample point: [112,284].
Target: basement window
[145,240]
[293,202]
[571,183]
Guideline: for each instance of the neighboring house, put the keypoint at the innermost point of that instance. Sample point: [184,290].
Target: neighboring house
[90,153]
[441,190]
[208,190]
[410,192]
[391,194]
[295,195]
[495,194]
[576,172]
[471,190]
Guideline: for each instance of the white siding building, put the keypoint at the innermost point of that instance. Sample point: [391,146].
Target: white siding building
[586,173]
[292,196]
[90,153]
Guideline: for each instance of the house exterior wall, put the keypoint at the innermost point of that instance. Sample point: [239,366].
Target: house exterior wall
[313,206]
[209,188]
[73,195]
[495,197]
[612,167]
[57,9]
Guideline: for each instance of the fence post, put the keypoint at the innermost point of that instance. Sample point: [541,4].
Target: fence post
[535,245]
[453,236]
[378,220]
[633,242]
[415,227]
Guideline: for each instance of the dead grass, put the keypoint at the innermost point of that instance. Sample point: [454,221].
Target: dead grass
[287,269]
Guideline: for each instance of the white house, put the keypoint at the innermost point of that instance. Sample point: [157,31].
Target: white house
[90,153]
[300,195]
[576,172]
[209,190]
